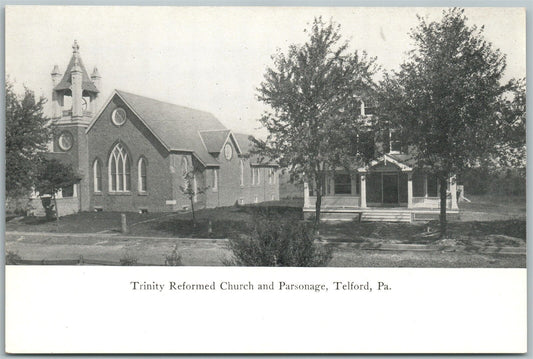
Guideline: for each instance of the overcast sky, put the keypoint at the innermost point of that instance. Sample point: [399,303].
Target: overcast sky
[213,59]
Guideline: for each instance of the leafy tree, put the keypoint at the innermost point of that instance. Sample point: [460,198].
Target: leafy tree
[52,176]
[190,190]
[446,97]
[314,92]
[26,137]
[511,149]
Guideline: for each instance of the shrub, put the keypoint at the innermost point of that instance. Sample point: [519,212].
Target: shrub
[128,259]
[278,243]
[12,258]
[174,258]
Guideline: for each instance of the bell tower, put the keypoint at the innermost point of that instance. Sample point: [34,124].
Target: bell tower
[75,94]
[74,103]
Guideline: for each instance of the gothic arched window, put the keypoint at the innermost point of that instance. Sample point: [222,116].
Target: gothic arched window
[97,175]
[184,166]
[141,170]
[119,170]
[242,172]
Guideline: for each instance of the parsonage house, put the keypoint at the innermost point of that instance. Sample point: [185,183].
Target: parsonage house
[133,153]
[389,188]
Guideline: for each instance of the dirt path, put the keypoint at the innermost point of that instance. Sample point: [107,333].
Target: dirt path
[211,252]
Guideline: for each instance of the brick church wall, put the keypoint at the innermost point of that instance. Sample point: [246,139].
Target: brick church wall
[138,141]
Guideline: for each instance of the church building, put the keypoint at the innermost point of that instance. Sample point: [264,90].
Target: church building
[135,153]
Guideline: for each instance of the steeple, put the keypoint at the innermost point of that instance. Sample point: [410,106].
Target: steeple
[75,85]
[97,80]
[75,47]
[56,106]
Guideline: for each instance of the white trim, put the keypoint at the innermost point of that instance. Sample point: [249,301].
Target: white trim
[238,148]
[253,175]
[122,155]
[97,182]
[385,157]
[139,175]
[230,133]
[194,188]
[241,167]
[214,174]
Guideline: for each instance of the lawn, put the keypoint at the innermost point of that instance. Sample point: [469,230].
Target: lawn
[500,221]
[484,224]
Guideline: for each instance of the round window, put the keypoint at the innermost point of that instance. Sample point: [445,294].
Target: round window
[65,141]
[228,151]
[118,116]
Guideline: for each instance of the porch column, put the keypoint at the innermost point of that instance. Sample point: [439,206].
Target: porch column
[453,192]
[409,189]
[306,194]
[363,190]
[425,185]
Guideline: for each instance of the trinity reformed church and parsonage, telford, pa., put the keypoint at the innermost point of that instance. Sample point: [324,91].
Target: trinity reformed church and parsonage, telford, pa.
[133,153]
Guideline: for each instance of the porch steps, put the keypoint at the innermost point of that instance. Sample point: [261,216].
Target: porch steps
[379,215]
[386,216]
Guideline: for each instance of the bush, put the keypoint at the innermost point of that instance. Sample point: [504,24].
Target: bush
[278,243]
[128,259]
[12,258]
[174,258]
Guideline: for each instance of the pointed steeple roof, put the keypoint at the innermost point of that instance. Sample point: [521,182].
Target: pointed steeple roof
[95,73]
[55,70]
[75,61]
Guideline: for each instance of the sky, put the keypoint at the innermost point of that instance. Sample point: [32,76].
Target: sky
[214,59]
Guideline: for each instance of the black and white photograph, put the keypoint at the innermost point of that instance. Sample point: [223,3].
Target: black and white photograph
[170,157]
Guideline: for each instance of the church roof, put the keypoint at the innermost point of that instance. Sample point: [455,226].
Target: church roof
[66,82]
[176,126]
[214,139]
[244,142]
[246,146]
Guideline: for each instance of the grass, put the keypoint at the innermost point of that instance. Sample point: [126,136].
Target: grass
[484,222]
[506,224]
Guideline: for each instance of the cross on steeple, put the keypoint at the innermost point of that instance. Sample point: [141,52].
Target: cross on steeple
[75,47]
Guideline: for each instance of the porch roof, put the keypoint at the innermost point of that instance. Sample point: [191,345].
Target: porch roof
[404,162]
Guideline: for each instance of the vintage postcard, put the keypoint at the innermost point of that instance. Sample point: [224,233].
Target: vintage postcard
[265,179]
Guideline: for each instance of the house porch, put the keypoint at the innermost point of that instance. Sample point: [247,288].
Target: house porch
[386,190]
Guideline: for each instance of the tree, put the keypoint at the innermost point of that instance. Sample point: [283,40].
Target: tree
[511,149]
[190,190]
[27,135]
[51,177]
[314,93]
[446,97]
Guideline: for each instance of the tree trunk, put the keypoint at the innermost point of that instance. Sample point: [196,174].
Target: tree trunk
[443,180]
[57,212]
[193,216]
[56,209]
[318,204]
